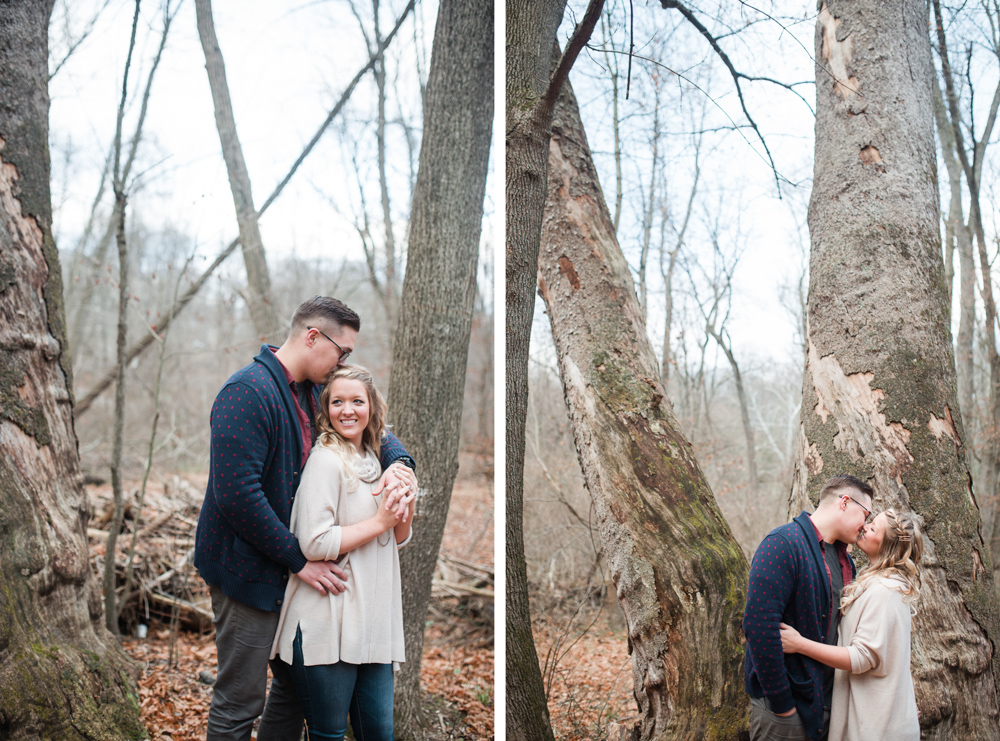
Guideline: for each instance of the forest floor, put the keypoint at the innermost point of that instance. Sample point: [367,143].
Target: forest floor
[587,671]
[458,658]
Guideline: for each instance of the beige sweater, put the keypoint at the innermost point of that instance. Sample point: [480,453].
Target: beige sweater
[364,624]
[875,699]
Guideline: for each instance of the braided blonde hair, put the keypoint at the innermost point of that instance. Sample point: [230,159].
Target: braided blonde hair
[898,556]
[371,438]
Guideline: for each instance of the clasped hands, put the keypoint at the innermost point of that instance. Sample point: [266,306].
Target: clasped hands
[400,484]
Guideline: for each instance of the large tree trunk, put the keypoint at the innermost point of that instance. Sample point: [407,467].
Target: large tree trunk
[62,675]
[531,33]
[435,319]
[258,298]
[879,393]
[679,574]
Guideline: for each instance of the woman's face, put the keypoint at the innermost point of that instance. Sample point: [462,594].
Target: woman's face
[873,536]
[349,409]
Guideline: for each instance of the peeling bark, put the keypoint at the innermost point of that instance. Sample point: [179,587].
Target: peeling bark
[679,574]
[879,391]
[62,675]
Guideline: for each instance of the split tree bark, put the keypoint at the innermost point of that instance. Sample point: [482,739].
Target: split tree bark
[258,297]
[431,347]
[680,576]
[62,675]
[879,392]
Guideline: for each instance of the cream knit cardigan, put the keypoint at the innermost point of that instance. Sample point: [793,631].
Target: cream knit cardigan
[364,624]
[875,699]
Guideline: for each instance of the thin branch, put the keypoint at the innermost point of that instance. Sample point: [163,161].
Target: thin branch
[579,39]
[676,5]
[83,37]
[84,404]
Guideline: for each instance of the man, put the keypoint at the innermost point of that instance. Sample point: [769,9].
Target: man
[796,577]
[262,433]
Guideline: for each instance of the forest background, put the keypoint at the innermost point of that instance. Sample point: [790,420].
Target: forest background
[339,227]
[708,186]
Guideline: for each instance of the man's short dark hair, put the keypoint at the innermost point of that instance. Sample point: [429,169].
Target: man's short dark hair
[324,310]
[844,481]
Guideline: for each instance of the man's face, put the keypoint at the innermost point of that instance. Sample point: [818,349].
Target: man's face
[328,349]
[855,506]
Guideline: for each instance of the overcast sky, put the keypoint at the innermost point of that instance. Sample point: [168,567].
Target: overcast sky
[287,64]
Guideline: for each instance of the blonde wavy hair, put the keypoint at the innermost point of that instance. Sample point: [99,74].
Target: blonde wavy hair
[898,556]
[371,438]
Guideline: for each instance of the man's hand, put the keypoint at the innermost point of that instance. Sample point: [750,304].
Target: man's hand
[323,576]
[398,479]
[398,502]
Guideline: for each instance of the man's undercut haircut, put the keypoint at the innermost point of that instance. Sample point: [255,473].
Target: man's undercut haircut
[332,314]
[834,487]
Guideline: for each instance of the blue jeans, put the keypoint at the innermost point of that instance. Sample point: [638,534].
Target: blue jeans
[328,692]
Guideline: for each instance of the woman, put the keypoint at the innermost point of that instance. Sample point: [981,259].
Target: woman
[343,648]
[873,690]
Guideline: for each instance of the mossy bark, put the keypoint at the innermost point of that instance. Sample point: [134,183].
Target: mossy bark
[679,574]
[879,392]
[62,675]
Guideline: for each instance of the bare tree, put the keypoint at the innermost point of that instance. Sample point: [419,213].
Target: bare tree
[62,674]
[171,312]
[435,320]
[879,392]
[678,572]
[258,296]
[530,101]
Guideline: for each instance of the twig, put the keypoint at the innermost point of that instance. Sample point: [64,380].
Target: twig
[87,401]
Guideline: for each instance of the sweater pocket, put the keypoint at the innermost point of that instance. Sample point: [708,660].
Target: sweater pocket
[247,563]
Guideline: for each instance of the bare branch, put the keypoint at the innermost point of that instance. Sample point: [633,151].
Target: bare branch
[84,404]
[581,35]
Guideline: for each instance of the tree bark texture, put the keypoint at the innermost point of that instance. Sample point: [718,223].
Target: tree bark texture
[679,574]
[879,390]
[62,675]
[531,33]
[432,338]
[262,309]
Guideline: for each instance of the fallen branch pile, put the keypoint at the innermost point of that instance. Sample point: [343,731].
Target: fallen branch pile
[165,585]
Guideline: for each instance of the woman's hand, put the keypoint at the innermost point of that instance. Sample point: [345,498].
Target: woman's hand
[789,639]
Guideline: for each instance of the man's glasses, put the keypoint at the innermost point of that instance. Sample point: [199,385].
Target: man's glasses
[868,512]
[344,354]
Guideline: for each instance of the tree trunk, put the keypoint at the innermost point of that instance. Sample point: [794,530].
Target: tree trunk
[679,574]
[262,310]
[741,395]
[959,238]
[879,392]
[531,33]
[435,319]
[62,675]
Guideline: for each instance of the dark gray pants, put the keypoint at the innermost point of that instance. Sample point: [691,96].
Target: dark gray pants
[766,726]
[243,636]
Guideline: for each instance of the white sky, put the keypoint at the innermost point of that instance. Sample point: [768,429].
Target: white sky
[287,64]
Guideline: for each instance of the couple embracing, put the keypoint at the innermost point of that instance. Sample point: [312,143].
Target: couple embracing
[828,649]
[309,498]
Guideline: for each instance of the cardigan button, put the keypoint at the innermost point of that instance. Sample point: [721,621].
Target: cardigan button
[277,602]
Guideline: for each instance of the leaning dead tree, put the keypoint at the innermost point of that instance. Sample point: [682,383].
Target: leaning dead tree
[879,391]
[258,296]
[62,675]
[679,574]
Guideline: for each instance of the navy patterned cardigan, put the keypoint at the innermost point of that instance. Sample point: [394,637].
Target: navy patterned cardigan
[789,584]
[243,544]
